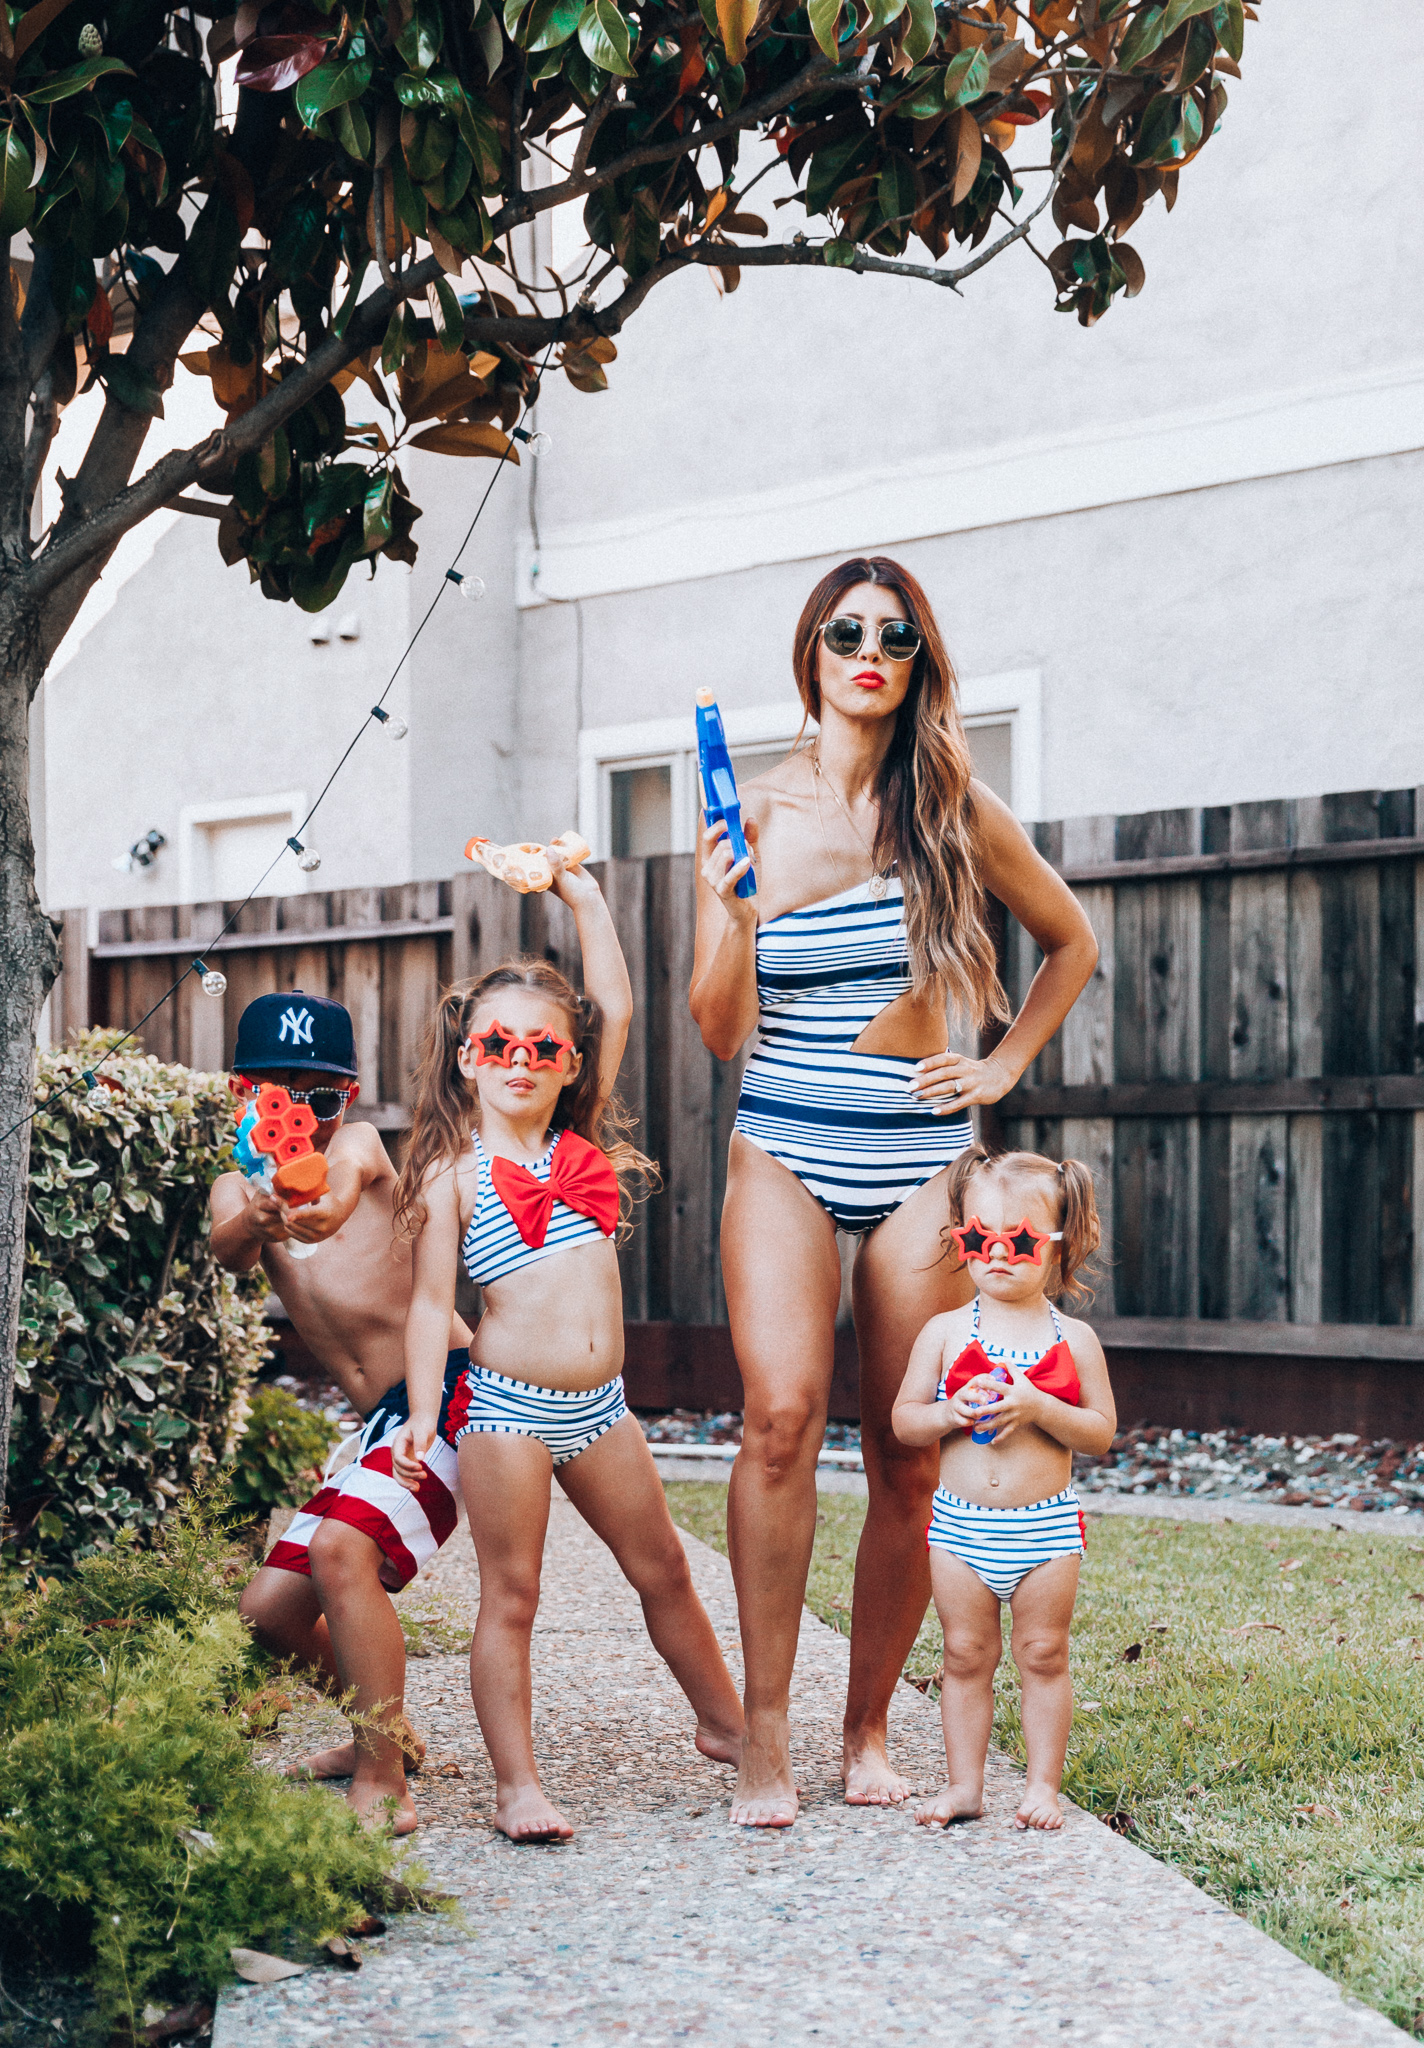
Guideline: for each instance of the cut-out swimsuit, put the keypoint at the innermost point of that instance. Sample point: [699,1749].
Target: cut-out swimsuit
[1003,1545]
[523,1214]
[841,1120]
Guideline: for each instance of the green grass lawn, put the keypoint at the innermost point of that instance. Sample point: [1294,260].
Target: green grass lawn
[1250,1709]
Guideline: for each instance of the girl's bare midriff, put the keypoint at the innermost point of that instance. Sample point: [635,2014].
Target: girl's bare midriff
[557,1323]
[1029,1467]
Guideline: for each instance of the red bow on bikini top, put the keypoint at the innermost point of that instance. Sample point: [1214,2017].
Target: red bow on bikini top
[579,1176]
[1054,1374]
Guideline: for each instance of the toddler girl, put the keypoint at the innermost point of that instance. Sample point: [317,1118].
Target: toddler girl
[1011,1390]
[517,1164]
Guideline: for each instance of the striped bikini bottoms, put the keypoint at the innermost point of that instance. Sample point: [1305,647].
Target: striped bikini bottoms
[489,1404]
[1003,1545]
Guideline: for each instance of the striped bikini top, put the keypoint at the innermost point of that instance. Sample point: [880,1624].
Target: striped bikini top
[825,971]
[494,1244]
[1051,1371]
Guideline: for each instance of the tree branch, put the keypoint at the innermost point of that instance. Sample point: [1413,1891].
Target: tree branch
[578,185]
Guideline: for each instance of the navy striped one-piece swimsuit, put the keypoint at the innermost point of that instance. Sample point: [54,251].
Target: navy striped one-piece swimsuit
[842,1121]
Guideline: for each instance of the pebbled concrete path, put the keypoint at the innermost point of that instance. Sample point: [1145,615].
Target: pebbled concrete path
[659,1925]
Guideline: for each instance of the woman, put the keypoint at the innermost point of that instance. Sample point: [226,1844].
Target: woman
[874,853]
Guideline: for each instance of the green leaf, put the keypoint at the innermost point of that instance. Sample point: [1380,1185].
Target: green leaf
[896,190]
[298,236]
[1141,39]
[966,79]
[210,254]
[603,36]
[551,23]
[447,313]
[440,89]
[353,295]
[419,41]
[1179,11]
[394,345]
[882,14]
[332,84]
[825,21]
[78,78]
[920,35]
[377,525]
[1229,22]
[838,253]
[829,169]
[481,138]
[410,204]
[134,387]
[352,130]
[1171,129]
[17,201]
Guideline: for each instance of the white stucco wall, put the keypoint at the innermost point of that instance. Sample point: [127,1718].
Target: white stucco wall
[1192,518]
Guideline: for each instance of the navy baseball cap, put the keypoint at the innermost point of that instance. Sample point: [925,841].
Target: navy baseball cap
[292,1029]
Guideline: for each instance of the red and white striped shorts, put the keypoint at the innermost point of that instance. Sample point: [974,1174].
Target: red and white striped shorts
[408,1527]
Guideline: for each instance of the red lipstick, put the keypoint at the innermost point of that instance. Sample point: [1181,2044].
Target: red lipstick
[869,679]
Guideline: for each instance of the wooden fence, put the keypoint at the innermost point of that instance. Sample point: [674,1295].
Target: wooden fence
[1245,1074]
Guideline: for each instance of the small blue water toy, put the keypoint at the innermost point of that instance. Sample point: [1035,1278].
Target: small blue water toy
[719,784]
[986,1436]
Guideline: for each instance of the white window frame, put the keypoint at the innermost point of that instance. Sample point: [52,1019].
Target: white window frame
[194,819]
[1014,699]
[667,743]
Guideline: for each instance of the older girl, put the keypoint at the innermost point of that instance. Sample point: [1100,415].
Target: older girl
[517,1165]
[1009,1389]
[875,853]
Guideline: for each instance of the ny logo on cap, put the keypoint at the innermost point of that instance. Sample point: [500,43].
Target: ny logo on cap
[299,1023]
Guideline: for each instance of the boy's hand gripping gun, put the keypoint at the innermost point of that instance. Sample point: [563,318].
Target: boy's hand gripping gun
[719,784]
[274,1146]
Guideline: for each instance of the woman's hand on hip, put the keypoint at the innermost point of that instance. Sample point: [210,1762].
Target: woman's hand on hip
[950,1081]
[722,874]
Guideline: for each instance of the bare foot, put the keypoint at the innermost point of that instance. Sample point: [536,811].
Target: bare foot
[955,1802]
[525,1815]
[340,1761]
[724,1747]
[1039,1808]
[766,1795]
[383,1806]
[868,1778]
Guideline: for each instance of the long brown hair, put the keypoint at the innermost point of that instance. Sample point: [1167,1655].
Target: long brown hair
[1070,1190]
[446,1104]
[927,821]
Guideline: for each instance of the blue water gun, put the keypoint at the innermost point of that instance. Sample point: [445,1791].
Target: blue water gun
[986,1436]
[719,784]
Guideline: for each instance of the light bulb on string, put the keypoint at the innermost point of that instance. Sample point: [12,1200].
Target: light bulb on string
[471,587]
[214,982]
[396,728]
[536,441]
[308,859]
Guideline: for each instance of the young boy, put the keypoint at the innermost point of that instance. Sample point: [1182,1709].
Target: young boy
[323,1594]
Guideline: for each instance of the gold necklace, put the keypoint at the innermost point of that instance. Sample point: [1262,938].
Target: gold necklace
[878,883]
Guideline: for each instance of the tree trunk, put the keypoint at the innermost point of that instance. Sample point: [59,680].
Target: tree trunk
[29,962]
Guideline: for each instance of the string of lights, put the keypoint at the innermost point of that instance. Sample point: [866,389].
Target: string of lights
[214,981]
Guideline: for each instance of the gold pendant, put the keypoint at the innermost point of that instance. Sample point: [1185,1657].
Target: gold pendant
[878,886]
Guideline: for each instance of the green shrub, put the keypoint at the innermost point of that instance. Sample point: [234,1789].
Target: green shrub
[279,1455]
[135,1347]
[138,1840]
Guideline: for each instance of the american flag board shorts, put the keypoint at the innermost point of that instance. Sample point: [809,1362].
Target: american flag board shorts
[408,1527]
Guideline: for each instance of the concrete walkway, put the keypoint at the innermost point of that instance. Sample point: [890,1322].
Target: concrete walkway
[659,1925]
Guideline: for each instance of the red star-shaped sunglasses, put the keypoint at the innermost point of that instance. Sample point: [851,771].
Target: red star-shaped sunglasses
[497,1046]
[1023,1245]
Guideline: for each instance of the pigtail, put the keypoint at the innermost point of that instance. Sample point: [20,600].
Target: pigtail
[956,1181]
[1082,1232]
[443,1110]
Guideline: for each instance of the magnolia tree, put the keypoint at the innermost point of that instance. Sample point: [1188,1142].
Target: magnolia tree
[315,207]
